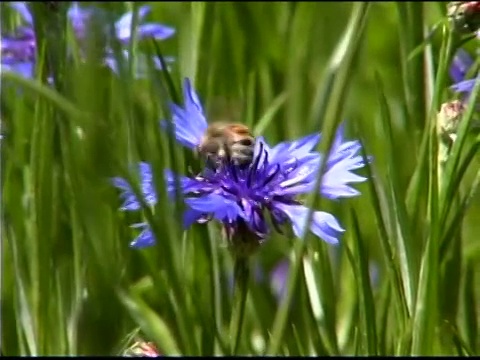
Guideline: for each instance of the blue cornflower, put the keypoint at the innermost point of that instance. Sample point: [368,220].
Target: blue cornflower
[146,30]
[19,50]
[461,65]
[243,198]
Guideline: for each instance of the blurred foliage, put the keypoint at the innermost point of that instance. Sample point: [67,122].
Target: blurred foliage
[71,284]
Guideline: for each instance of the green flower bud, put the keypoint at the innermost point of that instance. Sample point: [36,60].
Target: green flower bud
[448,120]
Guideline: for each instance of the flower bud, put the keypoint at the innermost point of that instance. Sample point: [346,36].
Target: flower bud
[464,16]
[142,348]
[448,120]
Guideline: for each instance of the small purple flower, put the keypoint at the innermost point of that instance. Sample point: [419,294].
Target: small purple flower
[278,278]
[18,53]
[461,64]
[130,202]
[245,197]
[157,31]
[19,50]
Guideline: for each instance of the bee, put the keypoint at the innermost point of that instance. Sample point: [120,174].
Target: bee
[227,141]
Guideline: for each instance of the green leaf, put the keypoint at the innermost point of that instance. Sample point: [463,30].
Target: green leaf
[360,264]
[151,324]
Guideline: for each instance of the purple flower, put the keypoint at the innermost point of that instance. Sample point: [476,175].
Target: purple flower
[461,64]
[245,197]
[157,31]
[19,50]
[278,278]
[18,53]
[131,203]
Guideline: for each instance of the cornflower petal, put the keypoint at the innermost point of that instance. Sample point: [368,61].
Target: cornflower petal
[124,25]
[461,65]
[146,237]
[156,31]
[293,149]
[189,122]
[465,86]
[302,175]
[220,208]
[191,217]
[323,224]
[131,202]
[335,182]
[22,8]
[187,185]
[25,69]
[462,62]
[81,18]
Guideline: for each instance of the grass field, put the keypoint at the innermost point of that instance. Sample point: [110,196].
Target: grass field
[403,278]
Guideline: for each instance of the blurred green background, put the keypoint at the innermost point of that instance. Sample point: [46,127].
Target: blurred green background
[72,285]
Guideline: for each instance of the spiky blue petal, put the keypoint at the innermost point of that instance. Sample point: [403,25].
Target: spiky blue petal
[189,122]
[145,238]
[123,27]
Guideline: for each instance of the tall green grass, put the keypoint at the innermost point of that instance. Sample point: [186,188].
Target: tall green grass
[71,284]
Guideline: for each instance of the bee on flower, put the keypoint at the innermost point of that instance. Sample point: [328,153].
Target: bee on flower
[252,200]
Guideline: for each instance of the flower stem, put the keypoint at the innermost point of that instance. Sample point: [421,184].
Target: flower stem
[241,276]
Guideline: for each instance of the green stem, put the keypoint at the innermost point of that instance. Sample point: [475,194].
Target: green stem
[241,276]
[450,264]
